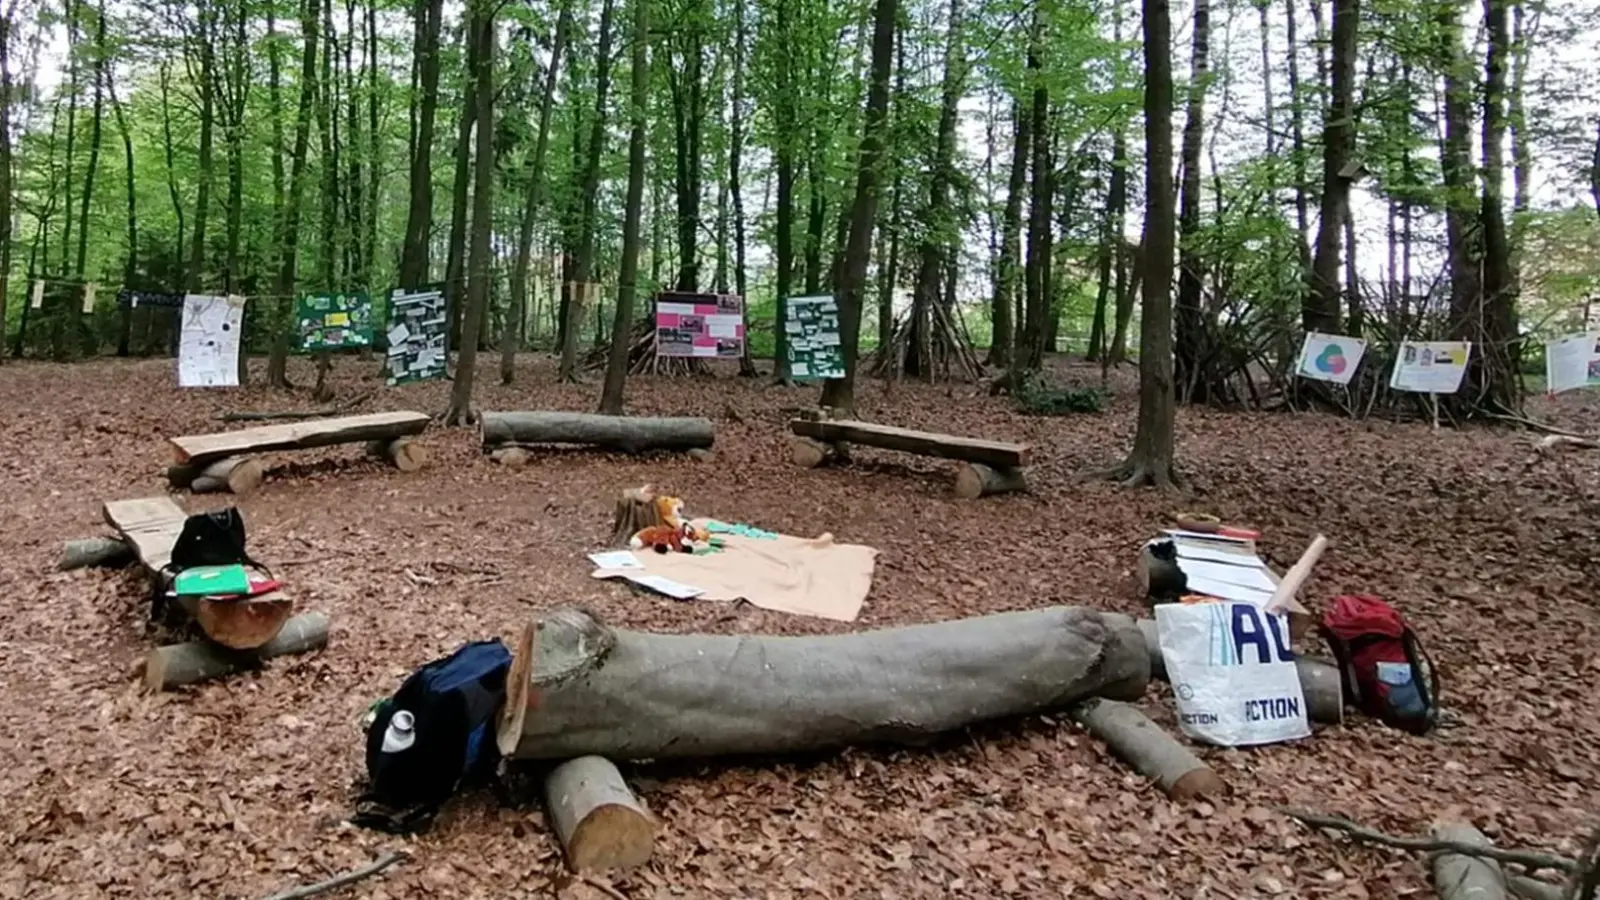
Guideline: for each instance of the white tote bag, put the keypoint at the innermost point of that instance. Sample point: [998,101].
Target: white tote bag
[1233,673]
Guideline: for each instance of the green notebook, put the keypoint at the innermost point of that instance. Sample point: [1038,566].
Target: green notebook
[212,580]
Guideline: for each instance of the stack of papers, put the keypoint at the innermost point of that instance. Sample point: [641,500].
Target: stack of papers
[1223,567]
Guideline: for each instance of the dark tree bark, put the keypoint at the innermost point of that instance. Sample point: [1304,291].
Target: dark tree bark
[1493,371]
[428,16]
[1321,310]
[688,120]
[374,141]
[511,335]
[5,172]
[289,224]
[1594,173]
[1456,168]
[889,274]
[938,220]
[131,262]
[638,101]
[460,197]
[583,265]
[1297,127]
[839,393]
[206,84]
[783,241]
[1151,461]
[237,87]
[480,65]
[747,366]
[1037,265]
[1190,337]
[1001,350]
[67,184]
[75,328]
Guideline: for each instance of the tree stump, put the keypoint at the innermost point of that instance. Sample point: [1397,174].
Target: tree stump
[180,664]
[237,474]
[635,511]
[1152,752]
[88,553]
[975,480]
[403,453]
[600,824]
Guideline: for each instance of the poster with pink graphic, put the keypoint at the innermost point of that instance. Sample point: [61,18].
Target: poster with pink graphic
[1330,357]
[705,325]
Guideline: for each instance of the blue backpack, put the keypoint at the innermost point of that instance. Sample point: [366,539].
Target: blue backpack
[436,732]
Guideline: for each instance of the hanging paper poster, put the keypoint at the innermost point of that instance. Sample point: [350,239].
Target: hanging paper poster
[1430,367]
[417,331]
[1330,357]
[704,325]
[333,321]
[208,343]
[812,324]
[1572,362]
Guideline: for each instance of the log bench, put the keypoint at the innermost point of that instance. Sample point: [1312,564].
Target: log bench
[223,460]
[991,467]
[239,633]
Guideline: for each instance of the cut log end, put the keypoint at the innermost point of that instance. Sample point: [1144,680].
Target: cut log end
[94,552]
[180,664]
[634,512]
[508,730]
[511,457]
[974,480]
[403,453]
[809,454]
[1152,752]
[600,823]
[237,474]
[243,624]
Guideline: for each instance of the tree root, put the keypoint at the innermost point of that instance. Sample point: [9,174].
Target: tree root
[1136,474]
[455,417]
[1530,860]
[311,890]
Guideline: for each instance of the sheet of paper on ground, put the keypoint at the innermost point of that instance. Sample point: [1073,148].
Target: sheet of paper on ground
[806,577]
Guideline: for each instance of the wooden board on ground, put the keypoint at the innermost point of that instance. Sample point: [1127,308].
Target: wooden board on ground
[204,448]
[151,526]
[997,454]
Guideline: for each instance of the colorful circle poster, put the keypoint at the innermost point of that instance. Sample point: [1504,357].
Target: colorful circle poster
[1330,357]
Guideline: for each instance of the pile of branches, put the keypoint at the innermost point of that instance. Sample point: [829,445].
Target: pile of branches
[642,356]
[946,353]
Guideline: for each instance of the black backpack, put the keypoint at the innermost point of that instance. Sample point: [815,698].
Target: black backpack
[452,704]
[206,539]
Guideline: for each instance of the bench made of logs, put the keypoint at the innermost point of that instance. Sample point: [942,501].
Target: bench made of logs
[222,461]
[992,467]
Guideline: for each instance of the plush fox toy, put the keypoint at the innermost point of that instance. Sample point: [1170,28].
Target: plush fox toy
[673,534]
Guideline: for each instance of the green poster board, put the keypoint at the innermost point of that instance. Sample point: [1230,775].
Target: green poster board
[333,321]
[812,326]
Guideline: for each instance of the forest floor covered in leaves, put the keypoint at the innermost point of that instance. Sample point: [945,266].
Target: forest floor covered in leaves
[238,789]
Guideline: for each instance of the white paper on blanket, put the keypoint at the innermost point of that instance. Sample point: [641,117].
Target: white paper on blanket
[616,559]
[208,346]
[660,585]
[1572,362]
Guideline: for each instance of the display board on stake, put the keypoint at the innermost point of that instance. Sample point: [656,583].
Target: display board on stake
[333,321]
[418,328]
[814,348]
[699,325]
[1330,357]
[1432,368]
[1572,362]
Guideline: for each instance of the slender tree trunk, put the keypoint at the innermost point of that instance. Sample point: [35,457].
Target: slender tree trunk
[1494,369]
[480,98]
[428,16]
[939,222]
[374,143]
[1521,151]
[1321,311]
[206,161]
[1005,286]
[237,100]
[461,195]
[1038,259]
[5,173]
[839,393]
[1151,461]
[1457,170]
[747,366]
[77,335]
[67,183]
[130,265]
[889,277]
[1297,126]
[510,337]
[583,267]
[627,278]
[783,241]
[1190,338]
[289,224]
[688,96]
[165,75]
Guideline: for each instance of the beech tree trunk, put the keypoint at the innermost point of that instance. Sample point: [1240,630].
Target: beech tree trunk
[632,695]
[583,264]
[1322,306]
[289,225]
[427,16]
[628,276]
[481,68]
[1006,280]
[1190,337]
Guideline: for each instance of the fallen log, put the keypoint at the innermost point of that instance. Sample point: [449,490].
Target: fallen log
[86,553]
[1319,681]
[179,664]
[1152,752]
[1460,877]
[251,416]
[600,823]
[236,474]
[628,434]
[975,480]
[403,453]
[631,695]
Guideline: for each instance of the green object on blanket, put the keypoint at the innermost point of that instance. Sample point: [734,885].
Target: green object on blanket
[212,581]
[740,529]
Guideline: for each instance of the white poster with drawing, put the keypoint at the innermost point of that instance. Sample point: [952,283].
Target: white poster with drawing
[208,346]
[1330,357]
[1572,362]
[1430,367]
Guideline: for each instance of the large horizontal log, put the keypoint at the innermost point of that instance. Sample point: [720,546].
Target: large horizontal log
[631,695]
[1152,752]
[1319,681]
[628,434]
[201,449]
[85,553]
[179,664]
[996,454]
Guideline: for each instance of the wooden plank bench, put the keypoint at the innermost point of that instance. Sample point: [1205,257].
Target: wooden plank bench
[992,467]
[222,461]
[239,632]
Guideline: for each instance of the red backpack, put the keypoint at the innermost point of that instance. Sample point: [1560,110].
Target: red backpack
[1380,663]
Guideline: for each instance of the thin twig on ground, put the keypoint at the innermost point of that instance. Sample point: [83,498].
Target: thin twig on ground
[1530,860]
[311,890]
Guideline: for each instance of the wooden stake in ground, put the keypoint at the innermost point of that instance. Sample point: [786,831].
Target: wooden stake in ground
[86,553]
[600,824]
[180,664]
[634,512]
[1152,752]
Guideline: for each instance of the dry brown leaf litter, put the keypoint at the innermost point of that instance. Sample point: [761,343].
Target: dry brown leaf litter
[237,789]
